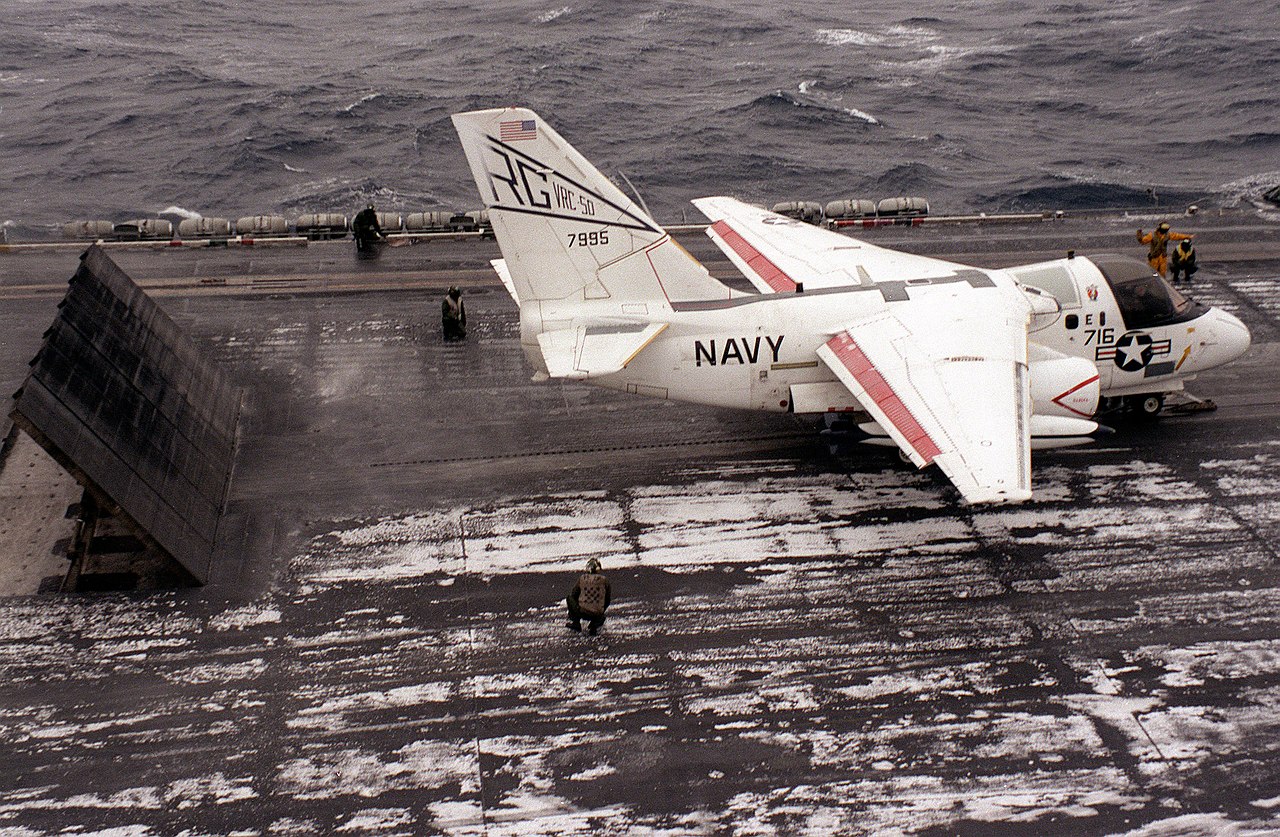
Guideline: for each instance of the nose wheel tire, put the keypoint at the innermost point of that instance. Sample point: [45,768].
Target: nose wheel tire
[1147,406]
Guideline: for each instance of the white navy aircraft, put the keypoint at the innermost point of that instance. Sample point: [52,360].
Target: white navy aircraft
[961,367]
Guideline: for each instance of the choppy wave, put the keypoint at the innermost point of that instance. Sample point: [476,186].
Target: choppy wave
[120,109]
[1263,141]
[1250,190]
[180,212]
[1065,193]
[548,17]
[810,94]
[776,106]
[324,195]
[847,37]
[908,179]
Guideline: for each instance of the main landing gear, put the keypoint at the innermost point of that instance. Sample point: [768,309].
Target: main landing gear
[1145,406]
[1151,404]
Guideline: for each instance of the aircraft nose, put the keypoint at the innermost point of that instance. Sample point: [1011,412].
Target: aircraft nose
[1228,339]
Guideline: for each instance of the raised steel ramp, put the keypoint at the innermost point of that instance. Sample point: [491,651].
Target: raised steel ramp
[122,399]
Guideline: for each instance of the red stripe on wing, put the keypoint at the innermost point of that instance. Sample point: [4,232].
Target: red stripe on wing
[772,275]
[861,367]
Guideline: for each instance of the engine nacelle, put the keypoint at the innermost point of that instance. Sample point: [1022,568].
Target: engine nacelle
[1062,385]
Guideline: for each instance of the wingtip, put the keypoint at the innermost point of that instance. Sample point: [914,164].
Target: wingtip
[998,498]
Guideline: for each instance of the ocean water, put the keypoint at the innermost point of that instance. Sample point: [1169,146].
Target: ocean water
[128,109]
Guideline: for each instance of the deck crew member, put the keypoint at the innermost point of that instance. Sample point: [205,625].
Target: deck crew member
[366,229]
[453,315]
[589,599]
[1158,239]
[1183,260]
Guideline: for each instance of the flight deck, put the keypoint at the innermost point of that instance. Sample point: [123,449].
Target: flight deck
[807,636]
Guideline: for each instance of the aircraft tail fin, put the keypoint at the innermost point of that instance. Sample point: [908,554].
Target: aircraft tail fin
[566,232]
[500,268]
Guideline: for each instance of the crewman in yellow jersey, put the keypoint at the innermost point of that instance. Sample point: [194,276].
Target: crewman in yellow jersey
[1158,240]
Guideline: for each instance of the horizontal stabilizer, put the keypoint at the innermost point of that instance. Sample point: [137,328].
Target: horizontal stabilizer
[591,351]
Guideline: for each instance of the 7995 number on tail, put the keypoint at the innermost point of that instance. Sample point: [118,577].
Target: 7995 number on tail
[588,239]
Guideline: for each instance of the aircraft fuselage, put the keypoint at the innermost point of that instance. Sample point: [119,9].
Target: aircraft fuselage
[758,351]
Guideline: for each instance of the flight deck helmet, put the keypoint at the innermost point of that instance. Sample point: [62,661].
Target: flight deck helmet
[593,565]
[1164,226]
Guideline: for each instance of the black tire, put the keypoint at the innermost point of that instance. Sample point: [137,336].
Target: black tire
[1147,406]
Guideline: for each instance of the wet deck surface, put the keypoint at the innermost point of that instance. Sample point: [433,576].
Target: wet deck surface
[805,639]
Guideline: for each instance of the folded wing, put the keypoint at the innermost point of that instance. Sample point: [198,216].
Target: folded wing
[941,366]
[948,382]
[776,253]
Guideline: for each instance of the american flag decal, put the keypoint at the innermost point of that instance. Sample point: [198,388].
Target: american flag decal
[517,129]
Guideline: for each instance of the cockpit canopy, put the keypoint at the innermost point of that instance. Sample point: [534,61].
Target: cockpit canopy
[1146,300]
